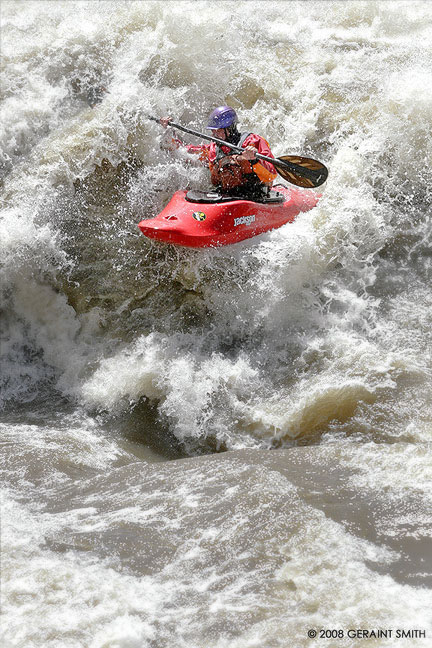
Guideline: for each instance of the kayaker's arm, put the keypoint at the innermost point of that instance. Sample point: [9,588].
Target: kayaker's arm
[263,168]
[249,163]
[201,150]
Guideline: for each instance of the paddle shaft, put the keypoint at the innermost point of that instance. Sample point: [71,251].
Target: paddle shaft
[295,168]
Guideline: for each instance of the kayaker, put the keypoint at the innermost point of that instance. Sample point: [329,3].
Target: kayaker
[237,174]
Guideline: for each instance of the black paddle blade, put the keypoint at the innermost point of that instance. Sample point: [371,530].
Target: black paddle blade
[301,171]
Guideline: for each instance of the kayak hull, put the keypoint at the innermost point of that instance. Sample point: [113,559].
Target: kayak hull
[201,224]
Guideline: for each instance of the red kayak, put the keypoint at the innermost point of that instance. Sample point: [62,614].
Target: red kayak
[198,219]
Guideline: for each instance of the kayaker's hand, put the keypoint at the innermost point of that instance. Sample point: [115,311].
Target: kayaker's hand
[249,153]
[165,121]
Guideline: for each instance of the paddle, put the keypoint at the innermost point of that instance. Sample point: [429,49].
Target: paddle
[300,171]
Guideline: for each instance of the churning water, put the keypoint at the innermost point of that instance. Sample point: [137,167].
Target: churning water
[128,366]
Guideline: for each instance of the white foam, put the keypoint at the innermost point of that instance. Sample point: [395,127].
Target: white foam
[321,327]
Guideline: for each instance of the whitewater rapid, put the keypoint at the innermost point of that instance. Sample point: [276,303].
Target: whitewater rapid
[128,366]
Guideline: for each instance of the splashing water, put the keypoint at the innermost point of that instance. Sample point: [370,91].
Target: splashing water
[314,339]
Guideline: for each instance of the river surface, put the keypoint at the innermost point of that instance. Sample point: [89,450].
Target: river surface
[224,448]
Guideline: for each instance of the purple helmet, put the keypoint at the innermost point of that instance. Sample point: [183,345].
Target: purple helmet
[222,117]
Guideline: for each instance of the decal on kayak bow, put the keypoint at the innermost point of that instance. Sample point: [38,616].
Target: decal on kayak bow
[244,220]
[199,216]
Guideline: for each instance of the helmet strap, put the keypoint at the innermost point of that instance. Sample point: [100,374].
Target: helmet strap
[232,134]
